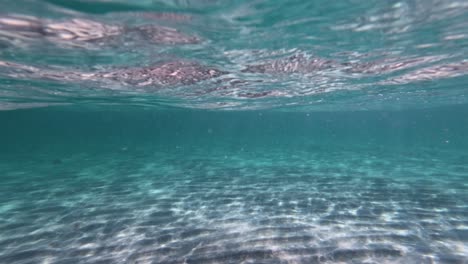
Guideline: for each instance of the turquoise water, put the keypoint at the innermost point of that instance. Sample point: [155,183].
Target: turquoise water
[233,131]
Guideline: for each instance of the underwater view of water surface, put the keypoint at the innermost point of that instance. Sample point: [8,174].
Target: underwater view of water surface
[206,131]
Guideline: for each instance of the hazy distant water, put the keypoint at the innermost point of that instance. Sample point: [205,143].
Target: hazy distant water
[233,132]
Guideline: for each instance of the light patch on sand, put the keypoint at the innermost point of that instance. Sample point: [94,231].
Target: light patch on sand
[7,207]
[48,260]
